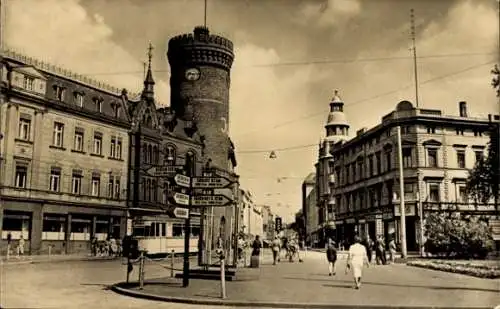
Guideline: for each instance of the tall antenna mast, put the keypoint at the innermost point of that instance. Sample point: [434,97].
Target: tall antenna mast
[414,49]
[144,69]
[205,15]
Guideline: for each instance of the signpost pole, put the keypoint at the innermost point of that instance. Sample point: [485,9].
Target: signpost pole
[187,234]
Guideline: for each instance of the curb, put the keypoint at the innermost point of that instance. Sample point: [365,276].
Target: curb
[121,288]
[81,259]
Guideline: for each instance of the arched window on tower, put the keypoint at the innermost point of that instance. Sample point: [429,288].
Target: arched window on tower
[150,154]
[145,153]
[190,163]
[170,155]
[155,155]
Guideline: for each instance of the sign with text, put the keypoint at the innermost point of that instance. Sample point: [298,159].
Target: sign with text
[181,212]
[181,199]
[168,170]
[409,210]
[211,182]
[210,200]
[182,180]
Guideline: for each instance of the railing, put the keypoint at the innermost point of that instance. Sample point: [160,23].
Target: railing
[461,207]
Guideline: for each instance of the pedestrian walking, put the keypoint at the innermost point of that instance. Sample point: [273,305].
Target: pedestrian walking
[392,250]
[275,246]
[20,246]
[380,257]
[93,246]
[9,240]
[331,256]
[356,260]
[368,243]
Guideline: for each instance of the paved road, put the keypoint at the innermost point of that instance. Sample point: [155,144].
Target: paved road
[79,284]
[74,284]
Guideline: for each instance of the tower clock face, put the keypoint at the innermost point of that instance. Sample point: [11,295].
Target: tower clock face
[192,74]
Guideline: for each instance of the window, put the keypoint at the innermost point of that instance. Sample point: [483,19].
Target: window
[379,163]
[462,194]
[114,187]
[95,185]
[432,157]
[166,191]
[29,83]
[370,165]
[58,134]
[97,144]
[434,192]
[78,146]
[461,158]
[59,93]
[177,230]
[405,129]
[407,161]
[388,160]
[431,130]
[153,190]
[479,155]
[116,109]
[98,105]
[24,128]
[76,182]
[79,99]
[460,132]
[169,155]
[21,176]
[55,180]
[116,148]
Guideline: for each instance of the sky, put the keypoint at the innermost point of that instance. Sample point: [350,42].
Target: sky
[290,55]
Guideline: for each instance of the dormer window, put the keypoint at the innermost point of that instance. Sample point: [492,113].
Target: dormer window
[116,109]
[59,93]
[78,99]
[98,105]
[29,83]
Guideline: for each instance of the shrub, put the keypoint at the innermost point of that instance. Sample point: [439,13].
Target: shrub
[458,237]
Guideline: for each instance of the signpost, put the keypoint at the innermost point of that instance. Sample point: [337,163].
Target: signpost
[215,192]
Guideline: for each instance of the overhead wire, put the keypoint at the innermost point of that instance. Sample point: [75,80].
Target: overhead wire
[321,113]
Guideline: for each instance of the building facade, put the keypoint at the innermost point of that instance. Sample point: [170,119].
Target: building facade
[251,215]
[268,223]
[63,157]
[311,211]
[337,130]
[437,153]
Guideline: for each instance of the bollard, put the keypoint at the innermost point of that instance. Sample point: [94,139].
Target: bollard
[141,271]
[223,277]
[8,252]
[50,249]
[172,264]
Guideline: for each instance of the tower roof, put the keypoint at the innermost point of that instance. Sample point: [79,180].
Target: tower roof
[336,116]
[148,91]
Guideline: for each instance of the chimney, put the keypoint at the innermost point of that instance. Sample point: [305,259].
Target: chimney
[463,108]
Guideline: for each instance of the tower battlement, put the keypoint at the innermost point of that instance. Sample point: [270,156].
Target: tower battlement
[200,47]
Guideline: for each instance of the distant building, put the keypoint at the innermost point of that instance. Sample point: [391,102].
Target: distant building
[268,221]
[438,152]
[311,210]
[251,216]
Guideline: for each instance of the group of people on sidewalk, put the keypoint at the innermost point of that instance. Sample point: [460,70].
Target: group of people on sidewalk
[19,249]
[277,245]
[109,247]
[360,254]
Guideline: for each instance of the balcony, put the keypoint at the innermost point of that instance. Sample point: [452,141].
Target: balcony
[409,197]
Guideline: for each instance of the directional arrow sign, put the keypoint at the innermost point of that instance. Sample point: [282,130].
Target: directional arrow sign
[167,170]
[181,199]
[210,200]
[182,180]
[227,192]
[181,212]
[210,182]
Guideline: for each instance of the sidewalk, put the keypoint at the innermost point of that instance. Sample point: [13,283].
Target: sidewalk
[307,285]
[33,259]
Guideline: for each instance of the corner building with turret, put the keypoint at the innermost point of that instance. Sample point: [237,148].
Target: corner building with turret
[200,65]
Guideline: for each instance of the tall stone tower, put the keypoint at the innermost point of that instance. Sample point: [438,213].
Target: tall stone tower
[200,78]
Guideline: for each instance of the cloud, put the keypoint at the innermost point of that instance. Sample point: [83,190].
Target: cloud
[62,33]
[328,13]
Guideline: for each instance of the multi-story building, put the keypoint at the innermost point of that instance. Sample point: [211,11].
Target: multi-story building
[437,153]
[63,157]
[337,130]
[251,216]
[311,211]
[268,223]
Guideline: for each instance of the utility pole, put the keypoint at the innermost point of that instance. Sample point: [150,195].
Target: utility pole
[401,196]
[205,15]
[414,50]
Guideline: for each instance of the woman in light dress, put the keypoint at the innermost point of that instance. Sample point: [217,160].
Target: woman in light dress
[356,260]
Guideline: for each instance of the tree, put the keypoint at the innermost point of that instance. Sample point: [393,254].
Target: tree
[480,180]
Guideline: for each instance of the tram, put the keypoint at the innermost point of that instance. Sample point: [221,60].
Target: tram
[161,236]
